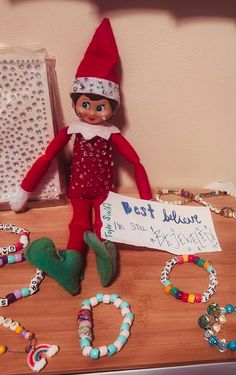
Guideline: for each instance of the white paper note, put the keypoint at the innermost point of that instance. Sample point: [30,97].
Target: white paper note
[173,228]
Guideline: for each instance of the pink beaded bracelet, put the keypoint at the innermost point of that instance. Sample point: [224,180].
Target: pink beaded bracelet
[37,355]
[21,244]
[187,297]
[23,292]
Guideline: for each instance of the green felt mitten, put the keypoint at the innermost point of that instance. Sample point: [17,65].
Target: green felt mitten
[65,266]
[106,257]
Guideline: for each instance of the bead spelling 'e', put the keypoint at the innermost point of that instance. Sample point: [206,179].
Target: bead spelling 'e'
[23,292]
[85,323]
[185,196]
[23,239]
[212,322]
[224,211]
[179,294]
[37,354]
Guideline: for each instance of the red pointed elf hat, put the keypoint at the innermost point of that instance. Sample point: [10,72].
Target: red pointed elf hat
[96,73]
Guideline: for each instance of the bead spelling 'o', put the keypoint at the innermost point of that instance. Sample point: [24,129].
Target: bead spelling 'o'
[190,297]
[212,323]
[84,316]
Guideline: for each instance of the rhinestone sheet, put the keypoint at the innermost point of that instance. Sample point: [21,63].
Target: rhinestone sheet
[26,123]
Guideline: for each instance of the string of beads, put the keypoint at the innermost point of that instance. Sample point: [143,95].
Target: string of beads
[212,322]
[185,195]
[22,292]
[224,211]
[85,323]
[37,355]
[23,239]
[179,294]
[17,328]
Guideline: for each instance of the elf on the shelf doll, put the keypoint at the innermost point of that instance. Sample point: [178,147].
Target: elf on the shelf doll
[95,98]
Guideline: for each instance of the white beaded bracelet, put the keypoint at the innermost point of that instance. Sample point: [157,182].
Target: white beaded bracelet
[21,244]
[85,323]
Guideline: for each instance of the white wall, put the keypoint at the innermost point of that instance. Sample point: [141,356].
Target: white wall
[178,76]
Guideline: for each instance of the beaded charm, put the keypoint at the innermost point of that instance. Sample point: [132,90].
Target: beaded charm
[212,323]
[37,355]
[185,196]
[179,294]
[23,292]
[21,244]
[85,323]
[224,211]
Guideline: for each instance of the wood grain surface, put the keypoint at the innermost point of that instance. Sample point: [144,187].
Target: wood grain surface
[165,331]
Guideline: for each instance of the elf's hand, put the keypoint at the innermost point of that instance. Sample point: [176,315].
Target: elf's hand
[18,201]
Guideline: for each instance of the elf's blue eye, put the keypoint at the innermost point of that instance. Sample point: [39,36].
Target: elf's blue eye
[86,105]
[100,107]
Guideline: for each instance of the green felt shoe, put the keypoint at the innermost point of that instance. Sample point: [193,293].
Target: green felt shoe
[106,257]
[65,266]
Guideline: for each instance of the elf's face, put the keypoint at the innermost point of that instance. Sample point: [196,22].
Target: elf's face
[93,112]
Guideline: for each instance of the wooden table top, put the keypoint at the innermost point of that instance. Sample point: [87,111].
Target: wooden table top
[165,331]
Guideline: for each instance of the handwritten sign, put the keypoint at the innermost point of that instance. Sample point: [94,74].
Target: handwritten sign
[173,228]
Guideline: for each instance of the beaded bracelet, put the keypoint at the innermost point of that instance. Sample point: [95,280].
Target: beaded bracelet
[21,244]
[224,211]
[187,297]
[184,194]
[23,292]
[37,354]
[212,322]
[85,323]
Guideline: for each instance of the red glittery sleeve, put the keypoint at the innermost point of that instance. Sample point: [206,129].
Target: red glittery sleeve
[41,165]
[127,151]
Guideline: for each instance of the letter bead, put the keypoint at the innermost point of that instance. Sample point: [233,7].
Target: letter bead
[7,322]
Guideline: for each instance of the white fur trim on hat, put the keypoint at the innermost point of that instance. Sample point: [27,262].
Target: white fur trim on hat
[99,86]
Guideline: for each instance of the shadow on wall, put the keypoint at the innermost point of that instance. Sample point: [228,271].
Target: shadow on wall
[179,9]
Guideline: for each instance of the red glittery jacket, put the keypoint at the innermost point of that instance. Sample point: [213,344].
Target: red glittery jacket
[92,162]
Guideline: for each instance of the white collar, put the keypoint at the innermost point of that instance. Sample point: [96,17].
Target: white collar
[90,131]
